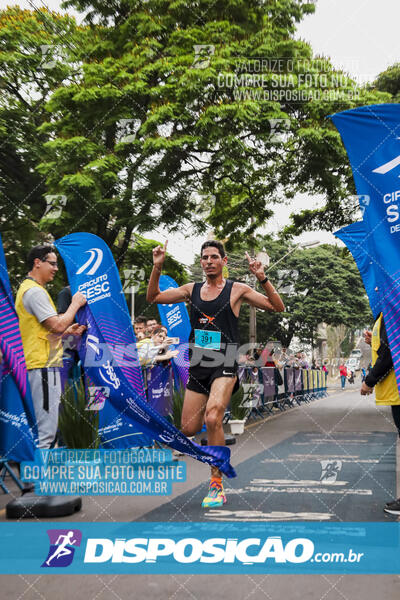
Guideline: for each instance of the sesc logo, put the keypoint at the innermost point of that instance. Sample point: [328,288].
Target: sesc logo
[93,263]
[62,547]
[167,437]
[387,167]
[191,550]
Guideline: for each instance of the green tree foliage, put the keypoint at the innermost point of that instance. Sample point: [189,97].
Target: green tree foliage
[328,288]
[154,113]
[326,159]
[29,43]
[139,259]
[389,81]
[146,137]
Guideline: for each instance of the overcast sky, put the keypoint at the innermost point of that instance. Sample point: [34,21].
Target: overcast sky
[360,35]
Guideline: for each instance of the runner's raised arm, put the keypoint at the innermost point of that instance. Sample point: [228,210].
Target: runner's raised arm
[180,294]
[272,300]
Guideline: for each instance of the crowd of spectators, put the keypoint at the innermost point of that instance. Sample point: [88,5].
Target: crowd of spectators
[152,342]
[153,347]
[281,358]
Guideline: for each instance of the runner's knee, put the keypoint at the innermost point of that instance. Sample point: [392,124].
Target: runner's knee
[188,429]
[191,426]
[214,417]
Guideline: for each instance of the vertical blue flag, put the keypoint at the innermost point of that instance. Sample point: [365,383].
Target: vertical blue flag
[159,389]
[109,354]
[356,240]
[18,432]
[371,135]
[92,270]
[176,319]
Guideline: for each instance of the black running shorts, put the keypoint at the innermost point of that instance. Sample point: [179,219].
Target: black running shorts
[201,378]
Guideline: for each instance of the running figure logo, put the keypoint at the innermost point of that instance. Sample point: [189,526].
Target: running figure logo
[330,470]
[62,547]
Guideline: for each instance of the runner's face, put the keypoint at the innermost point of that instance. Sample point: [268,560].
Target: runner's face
[212,262]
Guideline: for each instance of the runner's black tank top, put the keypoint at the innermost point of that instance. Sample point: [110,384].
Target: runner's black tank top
[213,316]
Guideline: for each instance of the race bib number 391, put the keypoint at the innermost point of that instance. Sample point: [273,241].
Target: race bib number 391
[207,339]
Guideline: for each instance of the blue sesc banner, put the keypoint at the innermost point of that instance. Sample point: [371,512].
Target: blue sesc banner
[109,355]
[371,135]
[159,389]
[176,319]
[92,271]
[357,241]
[18,432]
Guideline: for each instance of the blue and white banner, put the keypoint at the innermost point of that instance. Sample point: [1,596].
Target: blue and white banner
[92,271]
[109,356]
[159,389]
[371,135]
[176,319]
[18,432]
[357,241]
[192,548]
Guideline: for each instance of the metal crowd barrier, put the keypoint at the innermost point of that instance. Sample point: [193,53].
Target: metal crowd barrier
[280,388]
[265,389]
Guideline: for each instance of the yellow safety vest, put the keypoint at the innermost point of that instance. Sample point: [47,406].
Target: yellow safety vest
[386,391]
[41,348]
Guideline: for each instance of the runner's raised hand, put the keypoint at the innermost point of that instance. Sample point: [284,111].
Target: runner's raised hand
[159,255]
[256,267]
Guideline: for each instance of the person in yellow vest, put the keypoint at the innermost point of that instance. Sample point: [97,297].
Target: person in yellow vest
[41,331]
[382,377]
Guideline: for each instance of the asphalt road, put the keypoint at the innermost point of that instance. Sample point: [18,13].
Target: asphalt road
[285,452]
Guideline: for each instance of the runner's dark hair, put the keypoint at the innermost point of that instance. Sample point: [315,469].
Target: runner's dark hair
[213,244]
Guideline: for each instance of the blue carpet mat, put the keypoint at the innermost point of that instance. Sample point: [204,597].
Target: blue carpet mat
[308,477]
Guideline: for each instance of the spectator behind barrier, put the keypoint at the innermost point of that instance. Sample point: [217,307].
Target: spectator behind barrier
[155,349]
[139,325]
[152,325]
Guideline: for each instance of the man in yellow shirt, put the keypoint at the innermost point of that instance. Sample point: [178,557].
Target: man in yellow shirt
[41,331]
[382,377]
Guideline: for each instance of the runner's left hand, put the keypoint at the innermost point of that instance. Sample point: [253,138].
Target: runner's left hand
[256,267]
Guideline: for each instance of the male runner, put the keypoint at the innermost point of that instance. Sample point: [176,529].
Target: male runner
[214,341]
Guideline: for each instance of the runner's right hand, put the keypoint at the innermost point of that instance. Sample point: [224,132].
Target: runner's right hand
[159,255]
